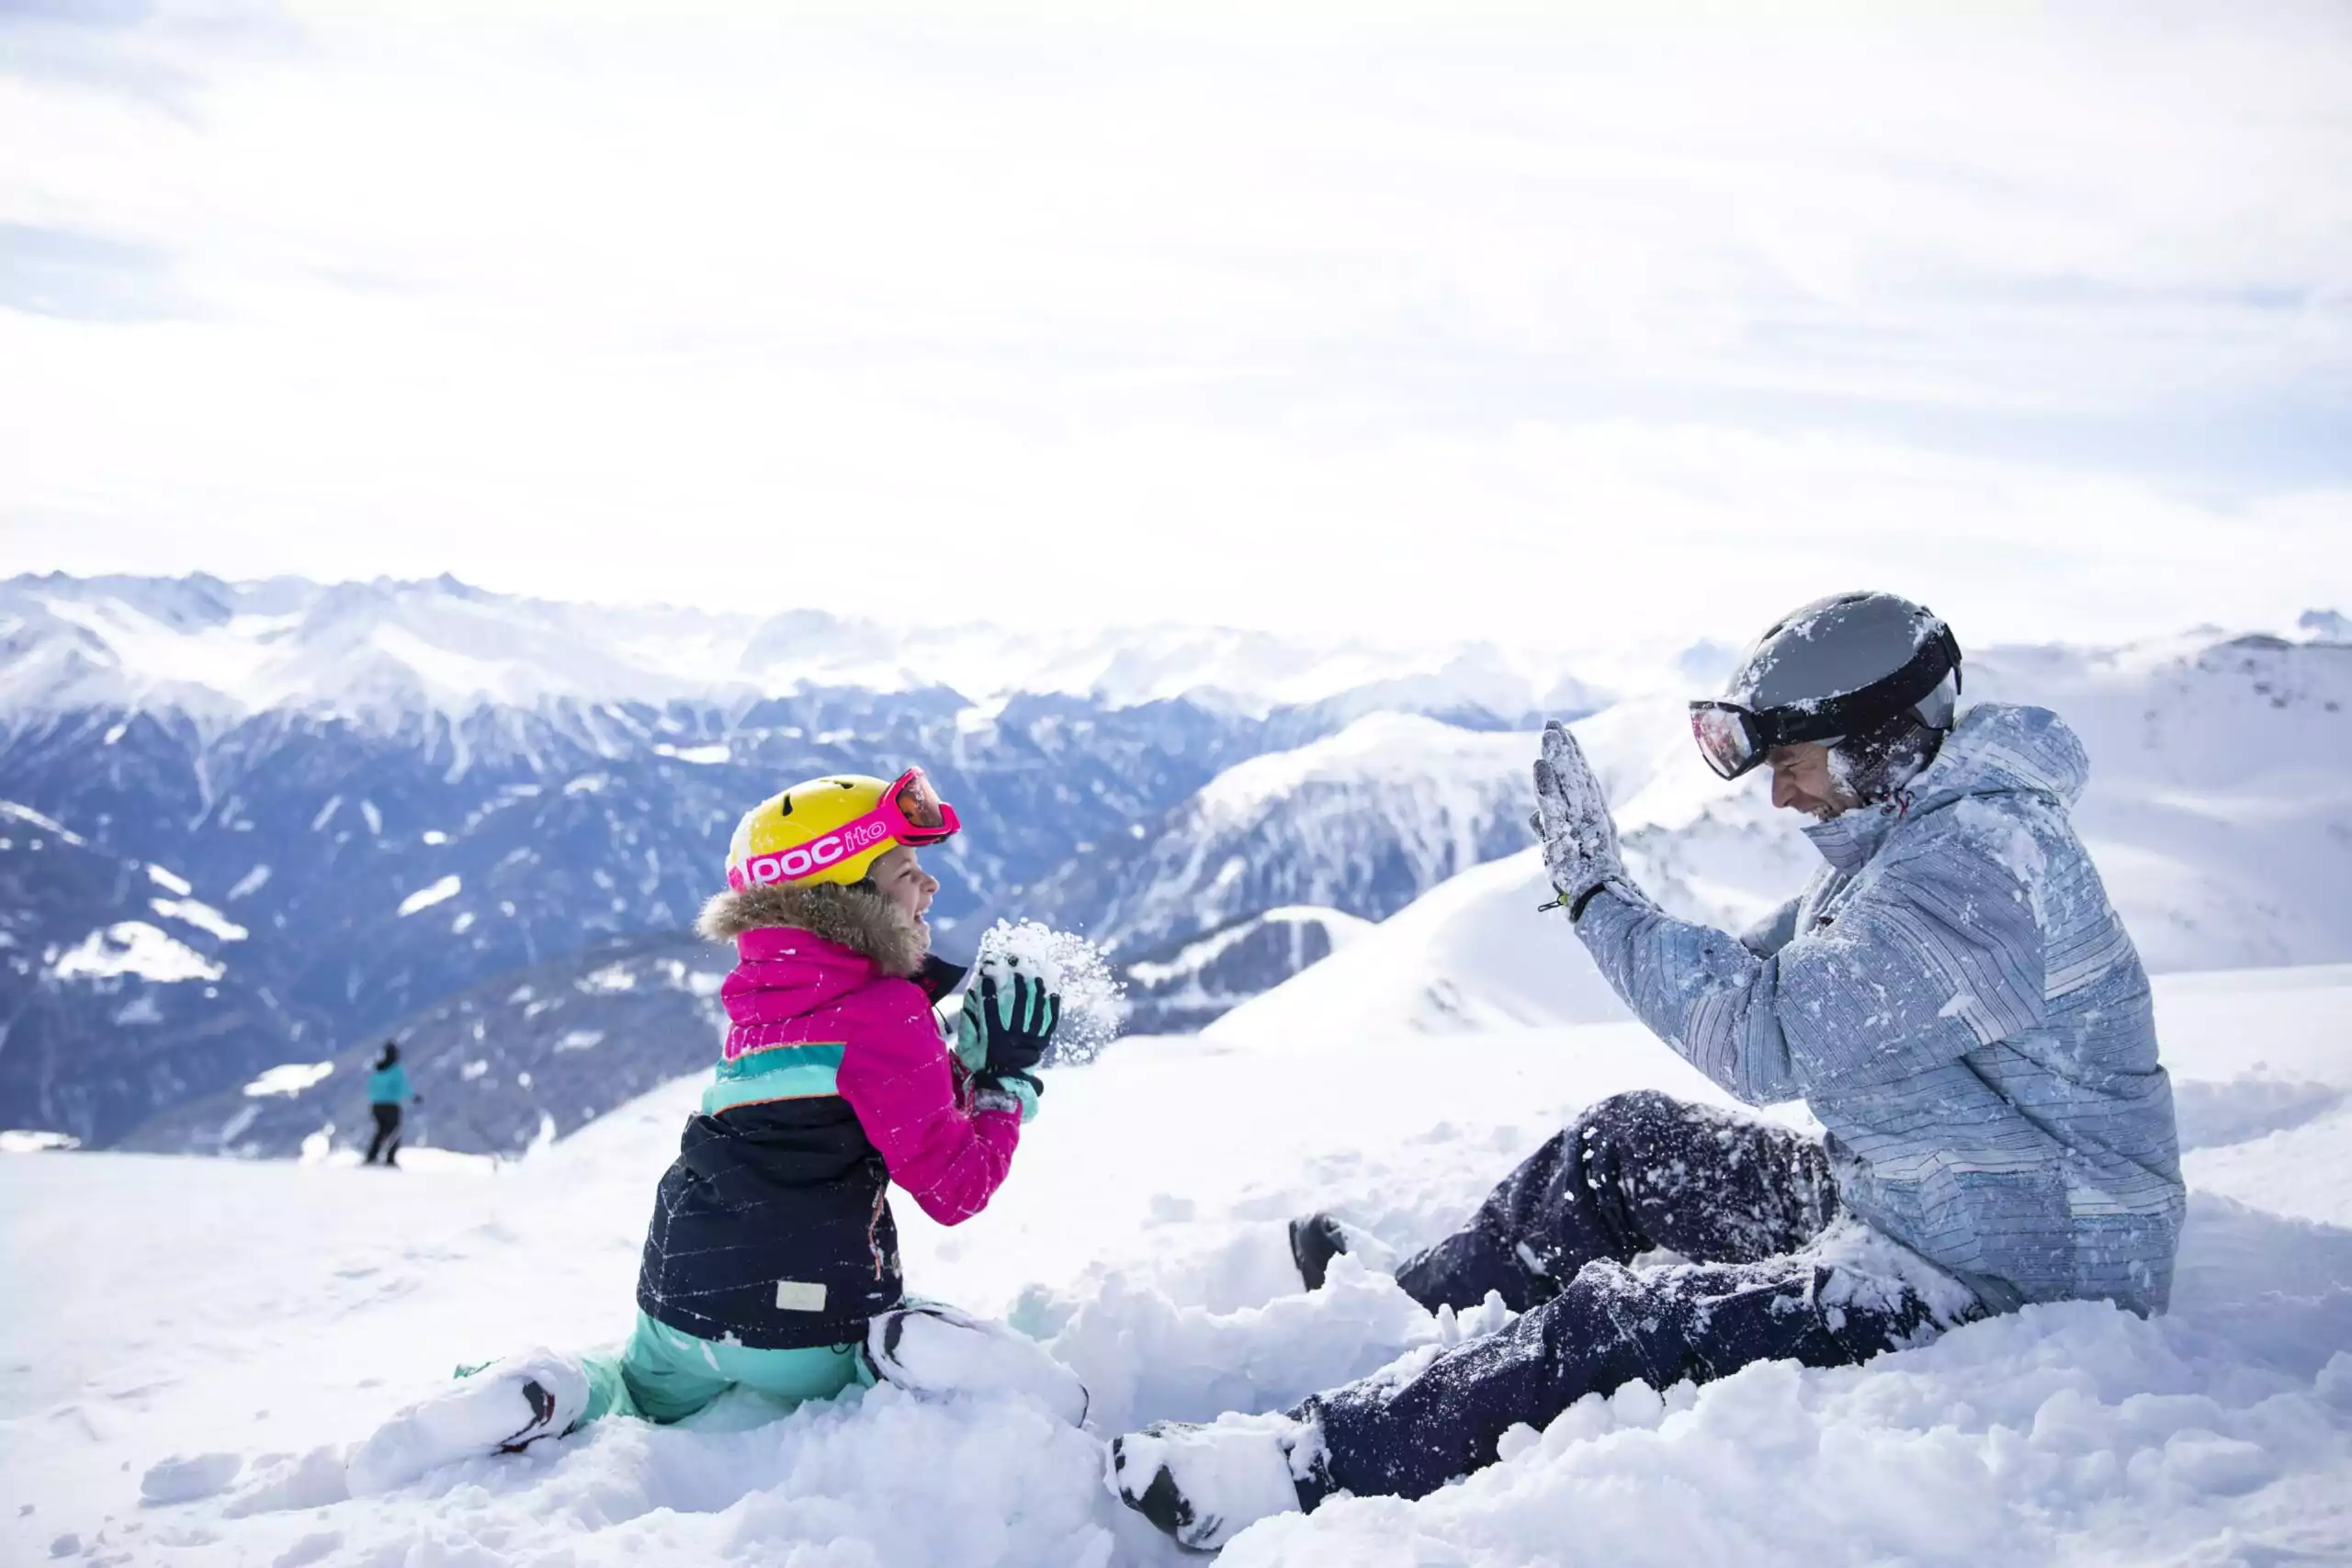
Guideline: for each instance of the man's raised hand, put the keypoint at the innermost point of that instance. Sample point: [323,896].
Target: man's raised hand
[1572,819]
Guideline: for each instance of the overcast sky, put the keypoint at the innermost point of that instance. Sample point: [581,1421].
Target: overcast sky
[1531,321]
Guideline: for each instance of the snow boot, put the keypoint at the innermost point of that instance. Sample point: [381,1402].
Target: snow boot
[936,1350]
[1204,1485]
[503,1408]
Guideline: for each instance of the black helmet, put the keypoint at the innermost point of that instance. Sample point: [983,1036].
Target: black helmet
[1853,668]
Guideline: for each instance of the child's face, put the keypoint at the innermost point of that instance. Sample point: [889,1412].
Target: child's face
[902,880]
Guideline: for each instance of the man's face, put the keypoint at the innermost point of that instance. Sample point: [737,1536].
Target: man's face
[1801,781]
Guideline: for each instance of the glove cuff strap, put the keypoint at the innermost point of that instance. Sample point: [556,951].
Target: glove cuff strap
[1577,909]
[996,1097]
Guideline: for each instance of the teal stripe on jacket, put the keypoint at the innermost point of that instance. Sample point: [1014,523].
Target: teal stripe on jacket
[780,1072]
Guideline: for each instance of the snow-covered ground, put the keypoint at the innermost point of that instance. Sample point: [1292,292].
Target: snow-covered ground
[185,1344]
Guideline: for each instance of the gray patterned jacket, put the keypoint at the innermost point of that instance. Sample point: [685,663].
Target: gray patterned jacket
[1956,999]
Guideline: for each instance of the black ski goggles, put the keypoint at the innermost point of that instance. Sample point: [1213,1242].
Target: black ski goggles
[1733,740]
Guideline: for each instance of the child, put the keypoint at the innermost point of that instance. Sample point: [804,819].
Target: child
[772,1260]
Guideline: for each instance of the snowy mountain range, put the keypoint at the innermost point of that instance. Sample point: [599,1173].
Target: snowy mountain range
[400,791]
[413,802]
[389,653]
[1364,821]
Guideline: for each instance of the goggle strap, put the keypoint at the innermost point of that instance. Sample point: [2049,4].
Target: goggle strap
[1854,711]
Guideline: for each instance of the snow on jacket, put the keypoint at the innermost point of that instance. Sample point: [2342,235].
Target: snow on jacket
[388,1086]
[774,1226]
[1957,1001]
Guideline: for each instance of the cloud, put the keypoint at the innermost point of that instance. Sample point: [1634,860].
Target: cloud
[56,272]
[146,53]
[1286,317]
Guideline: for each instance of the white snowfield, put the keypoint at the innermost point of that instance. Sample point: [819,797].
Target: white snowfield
[187,1345]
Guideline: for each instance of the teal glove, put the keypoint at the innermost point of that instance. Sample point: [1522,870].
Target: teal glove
[1000,1038]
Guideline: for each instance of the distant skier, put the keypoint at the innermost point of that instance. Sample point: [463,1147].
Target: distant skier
[1952,995]
[388,1094]
[772,1260]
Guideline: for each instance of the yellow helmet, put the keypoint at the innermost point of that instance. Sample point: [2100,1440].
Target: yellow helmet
[834,829]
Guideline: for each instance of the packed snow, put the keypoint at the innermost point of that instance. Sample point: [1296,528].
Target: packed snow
[183,1394]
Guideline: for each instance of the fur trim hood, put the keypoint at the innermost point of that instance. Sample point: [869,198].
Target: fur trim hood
[863,921]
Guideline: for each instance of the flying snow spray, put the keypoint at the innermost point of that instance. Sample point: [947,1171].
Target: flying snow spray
[1095,1003]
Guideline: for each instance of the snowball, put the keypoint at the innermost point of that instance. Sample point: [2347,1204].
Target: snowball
[1094,1000]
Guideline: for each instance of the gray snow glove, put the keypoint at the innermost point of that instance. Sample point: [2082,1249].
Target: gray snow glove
[1572,821]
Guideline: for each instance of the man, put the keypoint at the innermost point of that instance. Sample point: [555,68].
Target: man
[1951,994]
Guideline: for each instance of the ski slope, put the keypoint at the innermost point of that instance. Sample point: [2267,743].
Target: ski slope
[187,1344]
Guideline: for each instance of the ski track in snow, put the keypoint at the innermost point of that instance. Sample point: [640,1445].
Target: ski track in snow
[187,1344]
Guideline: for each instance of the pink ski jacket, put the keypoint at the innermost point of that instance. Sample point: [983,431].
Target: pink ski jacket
[773,1227]
[811,1016]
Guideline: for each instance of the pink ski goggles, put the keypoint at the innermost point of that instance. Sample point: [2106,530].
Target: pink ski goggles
[909,812]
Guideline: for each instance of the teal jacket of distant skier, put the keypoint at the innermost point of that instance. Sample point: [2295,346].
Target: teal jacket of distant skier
[388,1086]
[1957,1001]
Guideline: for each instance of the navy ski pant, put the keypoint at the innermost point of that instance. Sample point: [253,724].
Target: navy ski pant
[1636,1173]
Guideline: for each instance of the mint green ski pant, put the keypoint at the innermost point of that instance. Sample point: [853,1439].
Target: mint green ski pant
[665,1374]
